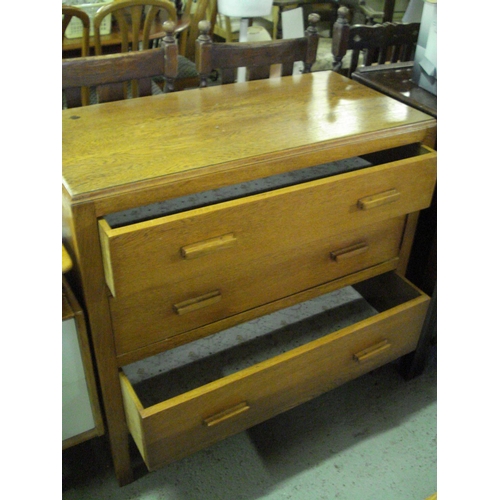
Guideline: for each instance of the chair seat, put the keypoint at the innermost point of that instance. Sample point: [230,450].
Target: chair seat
[186,68]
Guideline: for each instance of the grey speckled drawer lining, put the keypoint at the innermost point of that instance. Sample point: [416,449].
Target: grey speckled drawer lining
[192,365]
[241,190]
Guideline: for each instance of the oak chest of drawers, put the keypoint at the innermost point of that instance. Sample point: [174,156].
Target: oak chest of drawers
[192,213]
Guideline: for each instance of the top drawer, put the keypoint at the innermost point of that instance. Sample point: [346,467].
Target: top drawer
[170,249]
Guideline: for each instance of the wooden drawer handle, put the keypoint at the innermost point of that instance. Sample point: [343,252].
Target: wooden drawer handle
[379,199]
[198,302]
[224,415]
[208,246]
[371,352]
[348,252]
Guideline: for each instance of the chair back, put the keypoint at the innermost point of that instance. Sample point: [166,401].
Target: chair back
[197,11]
[68,13]
[380,43]
[137,21]
[256,57]
[105,71]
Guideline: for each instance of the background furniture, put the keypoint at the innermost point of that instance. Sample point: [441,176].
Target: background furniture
[383,10]
[256,57]
[326,9]
[81,414]
[113,42]
[67,14]
[195,12]
[395,81]
[155,275]
[136,20]
[232,22]
[245,11]
[112,73]
[379,43]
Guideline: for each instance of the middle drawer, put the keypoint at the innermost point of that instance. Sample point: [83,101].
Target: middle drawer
[160,312]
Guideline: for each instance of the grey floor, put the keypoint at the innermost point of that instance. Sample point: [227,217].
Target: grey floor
[371,439]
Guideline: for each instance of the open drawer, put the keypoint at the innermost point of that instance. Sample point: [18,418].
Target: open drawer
[318,357]
[247,226]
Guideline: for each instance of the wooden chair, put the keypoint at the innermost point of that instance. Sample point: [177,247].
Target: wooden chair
[138,21]
[68,13]
[381,43]
[139,66]
[197,11]
[256,57]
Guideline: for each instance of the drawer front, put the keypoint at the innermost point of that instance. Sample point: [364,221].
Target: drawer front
[156,314]
[177,427]
[203,241]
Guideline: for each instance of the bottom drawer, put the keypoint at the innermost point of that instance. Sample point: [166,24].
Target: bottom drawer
[169,429]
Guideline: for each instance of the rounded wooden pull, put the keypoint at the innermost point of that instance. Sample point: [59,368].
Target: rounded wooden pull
[198,302]
[226,414]
[371,352]
[348,252]
[208,246]
[379,199]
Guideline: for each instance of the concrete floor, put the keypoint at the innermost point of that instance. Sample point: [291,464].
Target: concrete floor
[371,439]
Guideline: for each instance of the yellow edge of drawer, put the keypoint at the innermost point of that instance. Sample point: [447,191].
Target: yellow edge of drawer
[104,231]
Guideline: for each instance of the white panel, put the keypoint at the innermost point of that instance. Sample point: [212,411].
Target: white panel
[245,8]
[77,414]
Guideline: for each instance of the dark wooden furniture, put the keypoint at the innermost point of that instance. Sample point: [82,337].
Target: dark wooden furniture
[201,10]
[169,279]
[256,57]
[395,80]
[388,42]
[68,13]
[188,76]
[111,73]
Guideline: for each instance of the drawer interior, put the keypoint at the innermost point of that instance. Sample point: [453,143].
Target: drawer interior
[211,197]
[206,392]
[207,360]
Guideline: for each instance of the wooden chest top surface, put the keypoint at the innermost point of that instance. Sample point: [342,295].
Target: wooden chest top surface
[111,147]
